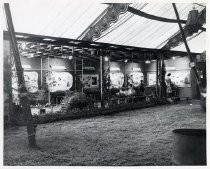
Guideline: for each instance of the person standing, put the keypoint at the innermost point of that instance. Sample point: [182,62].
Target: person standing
[142,87]
[168,85]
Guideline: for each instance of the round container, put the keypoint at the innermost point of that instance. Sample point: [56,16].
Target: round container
[189,146]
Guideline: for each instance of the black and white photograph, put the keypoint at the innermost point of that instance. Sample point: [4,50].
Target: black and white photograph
[104,83]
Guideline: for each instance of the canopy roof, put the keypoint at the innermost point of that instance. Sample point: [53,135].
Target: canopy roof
[69,19]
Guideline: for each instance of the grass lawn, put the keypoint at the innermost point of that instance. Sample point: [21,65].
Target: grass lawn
[138,137]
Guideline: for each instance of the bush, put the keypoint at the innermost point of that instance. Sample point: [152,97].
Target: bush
[89,112]
[75,100]
[92,91]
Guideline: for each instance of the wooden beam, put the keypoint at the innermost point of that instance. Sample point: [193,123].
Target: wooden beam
[24,101]
[187,48]
[157,18]
[153,17]
[95,45]
[101,79]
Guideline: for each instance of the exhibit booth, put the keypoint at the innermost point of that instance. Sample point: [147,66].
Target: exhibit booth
[111,76]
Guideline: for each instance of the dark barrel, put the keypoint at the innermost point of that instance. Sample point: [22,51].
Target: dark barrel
[189,146]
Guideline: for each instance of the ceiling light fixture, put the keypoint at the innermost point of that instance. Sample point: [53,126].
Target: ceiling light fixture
[147,61]
[106,58]
[70,57]
[47,39]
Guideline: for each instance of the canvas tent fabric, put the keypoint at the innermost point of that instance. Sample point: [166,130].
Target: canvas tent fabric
[69,19]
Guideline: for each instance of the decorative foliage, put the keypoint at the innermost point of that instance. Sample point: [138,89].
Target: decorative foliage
[74,100]
[162,79]
[110,17]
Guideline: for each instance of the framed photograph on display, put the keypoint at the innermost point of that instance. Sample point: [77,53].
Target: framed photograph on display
[91,81]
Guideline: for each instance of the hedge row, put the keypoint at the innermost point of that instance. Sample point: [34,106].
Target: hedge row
[77,113]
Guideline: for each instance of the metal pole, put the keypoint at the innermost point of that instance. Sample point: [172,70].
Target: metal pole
[24,101]
[187,48]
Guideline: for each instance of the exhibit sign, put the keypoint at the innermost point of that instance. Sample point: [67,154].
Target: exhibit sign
[59,81]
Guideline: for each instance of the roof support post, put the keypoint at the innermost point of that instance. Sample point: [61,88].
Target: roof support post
[101,78]
[82,71]
[75,70]
[24,101]
[157,76]
[192,64]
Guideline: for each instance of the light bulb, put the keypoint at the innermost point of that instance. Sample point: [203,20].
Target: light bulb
[106,58]
[70,57]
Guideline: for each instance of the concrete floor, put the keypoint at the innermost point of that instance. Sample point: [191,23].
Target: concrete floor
[132,138]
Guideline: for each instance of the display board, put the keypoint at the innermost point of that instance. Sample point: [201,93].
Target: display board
[31,83]
[59,81]
[116,79]
[15,97]
[91,80]
[151,79]
[180,78]
[135,78]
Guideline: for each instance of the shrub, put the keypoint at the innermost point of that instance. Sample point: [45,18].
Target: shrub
[75,100]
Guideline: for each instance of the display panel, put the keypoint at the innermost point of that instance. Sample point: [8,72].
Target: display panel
[117,79]
[181,78]
[31,81]
[59,81]
[151,79]
[31,84]
[135,78]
